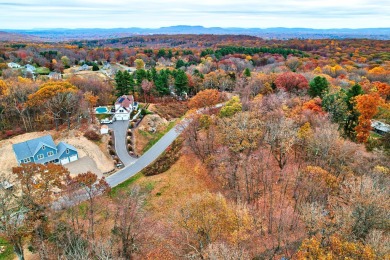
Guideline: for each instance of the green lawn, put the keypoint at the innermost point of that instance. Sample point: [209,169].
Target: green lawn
[102,116]
[157,136]
[125,185]
[43,71]
[8,252]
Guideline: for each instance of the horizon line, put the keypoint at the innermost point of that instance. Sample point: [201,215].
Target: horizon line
[204,27]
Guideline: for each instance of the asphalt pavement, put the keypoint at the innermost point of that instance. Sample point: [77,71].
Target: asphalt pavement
[120,133]
[147,158]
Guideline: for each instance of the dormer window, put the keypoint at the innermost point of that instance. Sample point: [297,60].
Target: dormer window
[43,147]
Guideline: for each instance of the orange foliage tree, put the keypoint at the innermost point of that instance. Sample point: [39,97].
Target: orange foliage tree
[314,105]
[205,98]
[383,89]
[367,105]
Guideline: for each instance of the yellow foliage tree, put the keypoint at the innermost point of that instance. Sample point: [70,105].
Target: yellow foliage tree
[337,249]
[3,87]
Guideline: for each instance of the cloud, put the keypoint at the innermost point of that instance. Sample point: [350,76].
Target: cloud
[21,14]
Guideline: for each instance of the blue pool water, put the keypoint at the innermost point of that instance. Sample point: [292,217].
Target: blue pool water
[101,110]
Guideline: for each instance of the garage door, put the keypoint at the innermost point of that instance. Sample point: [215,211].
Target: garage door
[122,117]
[65,160]
[73,158]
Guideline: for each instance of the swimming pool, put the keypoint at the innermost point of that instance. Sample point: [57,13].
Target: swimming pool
[101,110]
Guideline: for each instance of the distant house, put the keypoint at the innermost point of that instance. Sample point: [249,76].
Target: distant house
[13,65]
[124,105]
[84,67]
[54,76]
[43,150]
[380,127]
[30,68]
[106,66]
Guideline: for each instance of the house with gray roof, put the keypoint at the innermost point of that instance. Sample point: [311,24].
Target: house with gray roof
[43,150]
[380,127]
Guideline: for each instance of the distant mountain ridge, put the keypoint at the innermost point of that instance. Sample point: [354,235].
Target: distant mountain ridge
[62,34]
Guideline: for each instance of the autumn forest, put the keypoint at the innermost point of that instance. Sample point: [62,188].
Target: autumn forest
[280,153]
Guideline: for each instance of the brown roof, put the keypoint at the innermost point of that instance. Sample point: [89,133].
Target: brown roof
[125,101]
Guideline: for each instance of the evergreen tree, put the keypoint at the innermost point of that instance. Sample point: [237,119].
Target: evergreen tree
[141,74]
[124,83]
[161,82]
[319,86]
[120,83]
[181,82]
[247,72]
[353,114]
[170,54]
[180,63]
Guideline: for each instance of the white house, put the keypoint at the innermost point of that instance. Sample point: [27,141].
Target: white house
[106,65]
[124,105]
[13,65]
[30,68]
[84,67]
[54,76]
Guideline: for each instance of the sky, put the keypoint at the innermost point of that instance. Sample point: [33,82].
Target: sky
[29,14]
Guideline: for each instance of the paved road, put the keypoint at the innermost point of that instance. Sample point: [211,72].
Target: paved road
[146,159]
[131,69]
[120,129]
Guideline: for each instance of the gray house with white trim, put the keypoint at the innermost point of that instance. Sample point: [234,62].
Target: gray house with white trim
[43,150]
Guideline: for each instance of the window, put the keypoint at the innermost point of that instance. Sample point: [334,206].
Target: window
[40,156]
[67,151]
[43,147]
[50,153]
[27,160]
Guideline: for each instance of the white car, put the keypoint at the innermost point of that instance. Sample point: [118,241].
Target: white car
[106,121]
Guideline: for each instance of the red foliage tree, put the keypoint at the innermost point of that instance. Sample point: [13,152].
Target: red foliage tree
[291,81]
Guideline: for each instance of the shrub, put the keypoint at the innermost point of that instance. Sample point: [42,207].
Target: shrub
[166,160]
[92,135]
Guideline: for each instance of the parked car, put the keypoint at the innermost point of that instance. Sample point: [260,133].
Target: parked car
[106,121]
[120,165]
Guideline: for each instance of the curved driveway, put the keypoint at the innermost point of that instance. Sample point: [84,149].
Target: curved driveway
[147,158]
[120,133]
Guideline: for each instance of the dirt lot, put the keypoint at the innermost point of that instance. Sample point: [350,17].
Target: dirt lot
[70,72]
[75,138]
[148,129]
